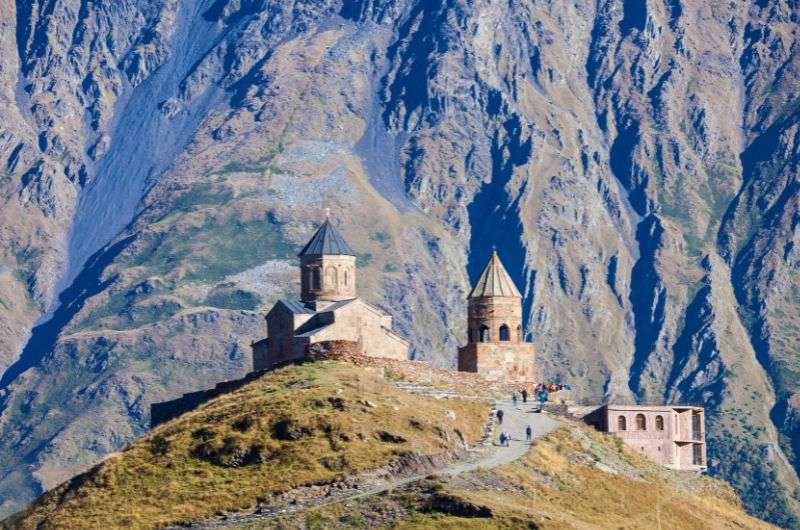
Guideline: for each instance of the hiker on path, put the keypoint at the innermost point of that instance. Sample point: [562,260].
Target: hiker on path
[524,395]
[528,433]
[499,416]
[502,438]
[514,398]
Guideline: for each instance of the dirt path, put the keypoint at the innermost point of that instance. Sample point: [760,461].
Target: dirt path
[515,420]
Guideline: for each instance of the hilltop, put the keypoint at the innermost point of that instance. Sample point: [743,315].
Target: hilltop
[330,444]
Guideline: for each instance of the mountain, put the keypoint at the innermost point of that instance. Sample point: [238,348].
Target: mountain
[634,162]
[331,445]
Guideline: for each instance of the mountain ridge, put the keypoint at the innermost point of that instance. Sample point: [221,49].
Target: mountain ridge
[634,163]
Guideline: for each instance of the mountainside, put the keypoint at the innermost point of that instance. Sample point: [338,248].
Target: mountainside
[635,163]
[307,441]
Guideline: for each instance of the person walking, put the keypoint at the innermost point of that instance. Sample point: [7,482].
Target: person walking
[524,395]
[500,416]
[528,433]
[514,398]
[502,438]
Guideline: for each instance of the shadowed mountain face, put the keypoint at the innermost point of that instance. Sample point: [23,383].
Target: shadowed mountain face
[635,164]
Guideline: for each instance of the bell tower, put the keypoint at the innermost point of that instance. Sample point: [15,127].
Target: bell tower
[327,267]
[495,338]
[494,306]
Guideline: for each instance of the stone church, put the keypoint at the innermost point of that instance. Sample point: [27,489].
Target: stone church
[495,346]
[328,309]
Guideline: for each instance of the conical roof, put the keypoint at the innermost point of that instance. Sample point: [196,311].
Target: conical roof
[494,281]
[327,241]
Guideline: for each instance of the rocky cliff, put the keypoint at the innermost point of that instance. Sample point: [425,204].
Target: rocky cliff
[635,162]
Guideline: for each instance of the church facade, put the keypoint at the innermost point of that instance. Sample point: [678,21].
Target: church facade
[328,309]
[495,347]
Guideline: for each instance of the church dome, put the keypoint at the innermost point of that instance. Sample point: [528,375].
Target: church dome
[327,242]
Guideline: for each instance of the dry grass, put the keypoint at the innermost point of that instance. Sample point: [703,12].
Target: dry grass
[573,478]
[300,425]
[560,485]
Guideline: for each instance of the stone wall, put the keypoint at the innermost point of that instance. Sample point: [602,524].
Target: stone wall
[337,277]
[498,360]
[671,441]
[360,322]
[167,410]
[494,312]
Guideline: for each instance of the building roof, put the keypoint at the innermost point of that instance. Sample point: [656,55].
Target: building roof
[297,307]
[327,241]
[494,281]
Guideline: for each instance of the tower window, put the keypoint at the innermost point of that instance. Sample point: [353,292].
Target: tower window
[345,277]
[622,425]
[315,278]
[641,422]
[519,333]
[330,277]
[484,334]
[659,423]
[505,335]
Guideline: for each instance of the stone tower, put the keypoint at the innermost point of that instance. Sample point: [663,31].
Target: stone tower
[495,346]
[327,267]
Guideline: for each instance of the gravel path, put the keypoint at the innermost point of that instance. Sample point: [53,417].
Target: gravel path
[515,420]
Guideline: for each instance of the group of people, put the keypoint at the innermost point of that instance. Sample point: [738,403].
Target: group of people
[505,438]
[551,387]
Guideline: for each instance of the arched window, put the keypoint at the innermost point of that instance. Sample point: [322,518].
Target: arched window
[345,278]
[519,333]
[641,423]
[315,278]
[659,423]
[504,333]
[484,334]
[330,277]
[622,424]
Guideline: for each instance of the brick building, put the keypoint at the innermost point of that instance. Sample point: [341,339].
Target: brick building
[495,343]
[671,435]
[328,309]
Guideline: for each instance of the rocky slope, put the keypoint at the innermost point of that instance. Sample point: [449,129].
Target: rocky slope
[636,164]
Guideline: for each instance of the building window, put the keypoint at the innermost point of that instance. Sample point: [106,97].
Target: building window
[505,335]
[345,277]
[697,455]
[485,334]
[330,277]
[641,423]
[696,427]
[659,423]
[315,278]
[519,333]
[622,424]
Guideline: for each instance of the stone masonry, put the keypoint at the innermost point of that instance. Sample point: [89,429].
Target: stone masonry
[496,348]
[328,310]
[672,435]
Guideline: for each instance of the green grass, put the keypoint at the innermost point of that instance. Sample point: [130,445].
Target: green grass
[383,238]
[229,298]
[259,165]
[202,195]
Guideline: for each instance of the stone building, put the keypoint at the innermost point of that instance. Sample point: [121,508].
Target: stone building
[671,435]
[495,343]
[328,309]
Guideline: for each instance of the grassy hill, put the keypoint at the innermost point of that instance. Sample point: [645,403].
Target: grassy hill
[316,424]
[301,425]
[572,478]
